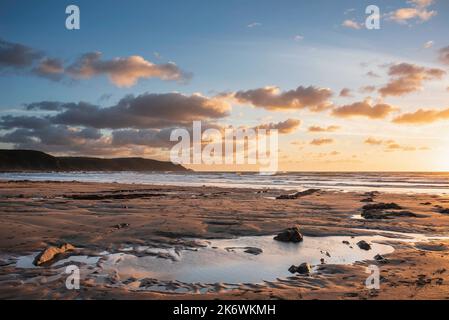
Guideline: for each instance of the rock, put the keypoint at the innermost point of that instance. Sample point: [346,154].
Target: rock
[444,211]
[297,194]
[292,269]
[303,268]
[364,245]
[345,242]
[382,206]
[51,252]
[254,251]
[380,259]
[426,203]
[121,226]
[367,200]
[289,235]
[378,214]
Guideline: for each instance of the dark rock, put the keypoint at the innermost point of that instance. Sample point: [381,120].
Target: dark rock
[382,206]
[297,195]
[303,268]
[121,226]
[364,245]
[289,235]
[380,259]
[254,251]
[345,242]
[426,203]
[444,211]
[378,214]
[367,200]
[292,269]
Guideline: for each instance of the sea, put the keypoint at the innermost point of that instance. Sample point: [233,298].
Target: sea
[393,182]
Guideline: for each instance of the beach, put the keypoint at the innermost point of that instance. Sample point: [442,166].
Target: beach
[136,241]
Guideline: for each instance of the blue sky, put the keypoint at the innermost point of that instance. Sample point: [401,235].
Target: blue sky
[228,46]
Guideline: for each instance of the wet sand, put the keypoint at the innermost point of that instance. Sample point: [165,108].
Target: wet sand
[98,217]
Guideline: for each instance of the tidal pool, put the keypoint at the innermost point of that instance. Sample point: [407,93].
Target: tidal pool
[245,260]
[225,261]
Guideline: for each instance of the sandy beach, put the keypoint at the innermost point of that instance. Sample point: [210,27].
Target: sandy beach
[114,226]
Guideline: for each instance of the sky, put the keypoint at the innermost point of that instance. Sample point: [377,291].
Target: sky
[343,97]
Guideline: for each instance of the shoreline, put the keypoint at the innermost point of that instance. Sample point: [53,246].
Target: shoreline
[34,215]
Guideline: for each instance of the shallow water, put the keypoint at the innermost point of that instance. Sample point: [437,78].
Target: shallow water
[224,260]
[218,263]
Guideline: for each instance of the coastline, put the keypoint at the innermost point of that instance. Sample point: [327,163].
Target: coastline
[35,215]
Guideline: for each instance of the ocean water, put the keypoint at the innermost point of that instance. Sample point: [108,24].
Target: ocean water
[430,183]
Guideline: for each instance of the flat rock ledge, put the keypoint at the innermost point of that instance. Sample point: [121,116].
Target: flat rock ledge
[51,252]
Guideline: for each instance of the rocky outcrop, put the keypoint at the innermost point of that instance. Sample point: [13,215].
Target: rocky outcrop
[297,195]
[382,206]
[289,235]
[51,252]
[378,214]
[378,211]
[30,160]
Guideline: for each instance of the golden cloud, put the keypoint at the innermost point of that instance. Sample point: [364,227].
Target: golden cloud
[364,109]
[407,78]
[422,116]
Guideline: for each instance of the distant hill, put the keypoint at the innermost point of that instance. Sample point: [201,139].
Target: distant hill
[30,160]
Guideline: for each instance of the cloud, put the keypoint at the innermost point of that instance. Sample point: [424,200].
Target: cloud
[320,142]
[17,56]
[272,98]
[444,55]
[348,11]
[284,127]
[398,147]
[123,72]
[345,92]
[372,74]
[52,69]
[254,24]
[45,106]
[367,89]
[422,116]
[364,109]
[50,138]
[146,137]
[144,122]
[418,11]
[351,24]
[407,78]
[143,111]
[27,122]
[323,129]
[298,37]
[391,145]
[428,45]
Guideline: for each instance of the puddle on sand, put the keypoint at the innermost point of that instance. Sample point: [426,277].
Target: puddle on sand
[217,263]
[26,262]
[224,260]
